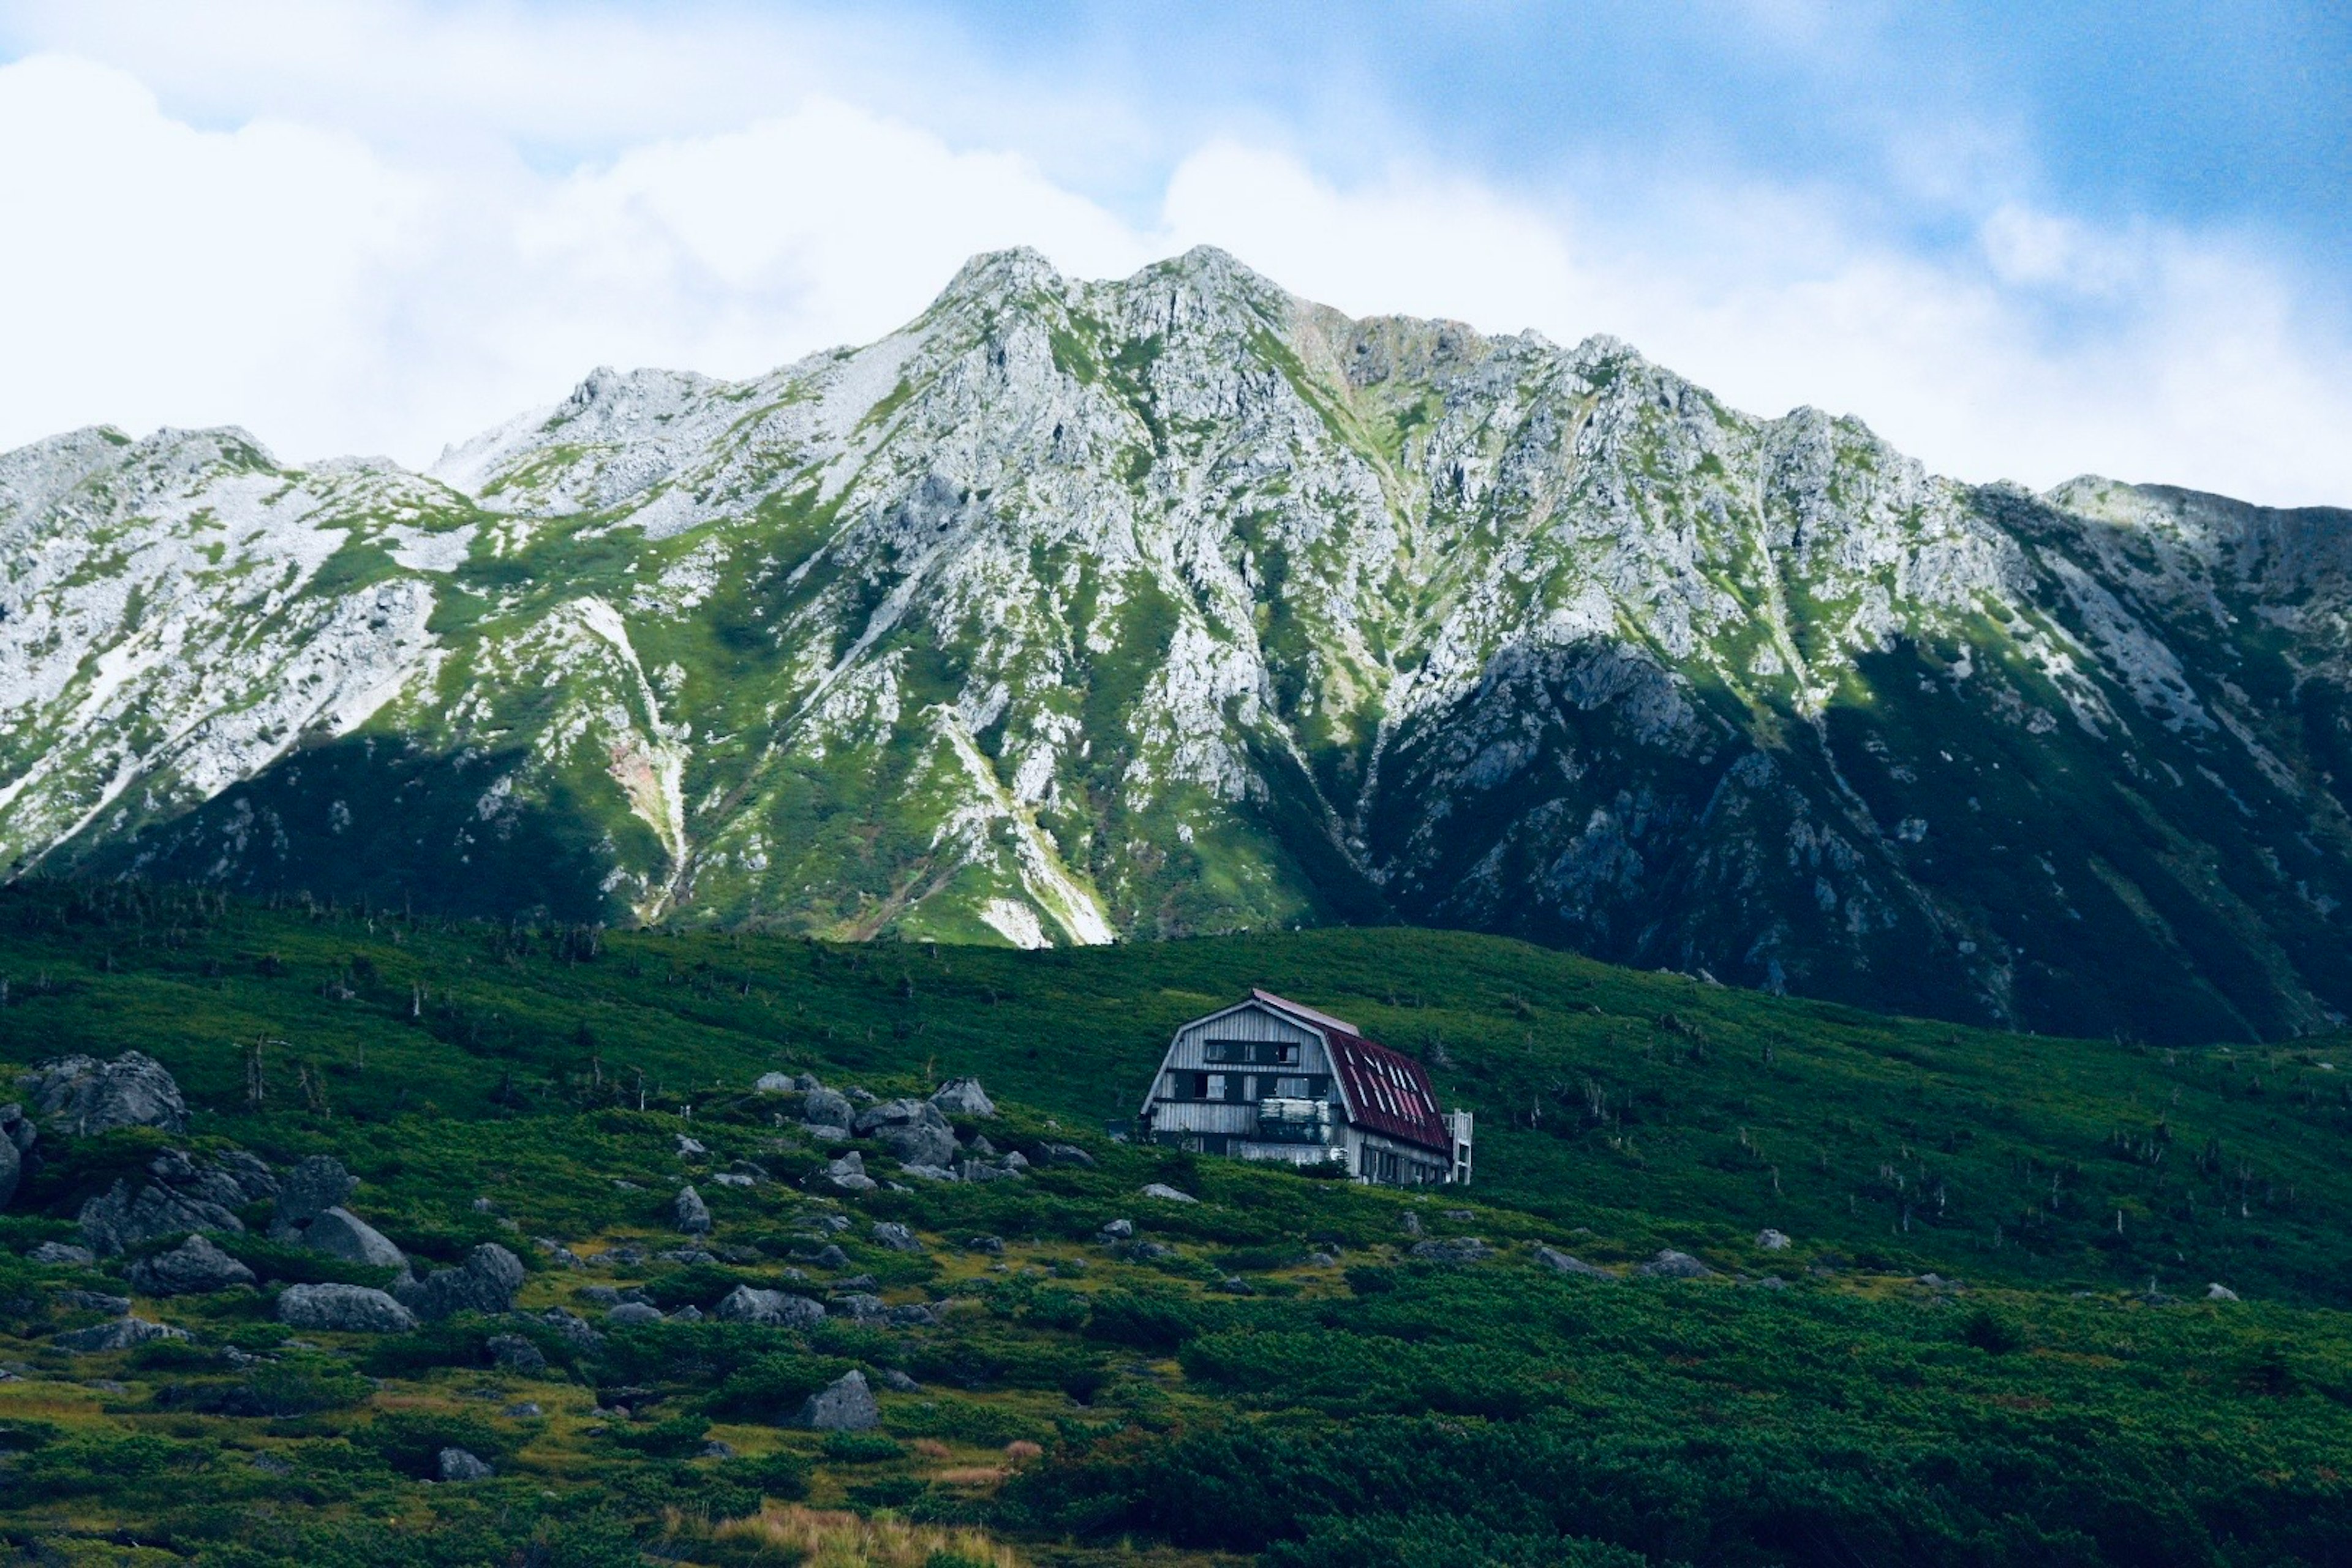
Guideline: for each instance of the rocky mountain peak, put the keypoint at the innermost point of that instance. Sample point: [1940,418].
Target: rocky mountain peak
[1176,605]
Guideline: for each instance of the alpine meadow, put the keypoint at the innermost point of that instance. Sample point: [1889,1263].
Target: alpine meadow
[590,1004]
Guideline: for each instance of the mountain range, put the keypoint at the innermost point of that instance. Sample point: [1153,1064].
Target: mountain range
[1076,612]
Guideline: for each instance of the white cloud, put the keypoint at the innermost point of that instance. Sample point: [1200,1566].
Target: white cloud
[339,280]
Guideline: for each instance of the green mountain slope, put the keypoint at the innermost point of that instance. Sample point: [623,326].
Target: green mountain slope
[1684,1114]
[1295,1371]
[1178,605]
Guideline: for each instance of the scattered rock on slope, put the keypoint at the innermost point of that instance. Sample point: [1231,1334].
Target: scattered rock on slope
[343,1308]
[486,1282]
[846,1405]
[81,1096]
[197,1267]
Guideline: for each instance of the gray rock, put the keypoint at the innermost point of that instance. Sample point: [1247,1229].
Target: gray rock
[195,1267]
[343,1308]
[690,1148]
[1559,1262]
[94,1302]
[1452,1249]
[931,1173]
[861,1306]
[12,1169]
[734,1178]
[1460,1216]
[914,1315]
[827,1108]
[847,1174]
[717,1449]
[844,1405]
[919,1143]
[514,1353]
[125,1215]
[773,1083]
[81,1096]
[120,1334]
[572,1327]
[457,1465]
[687,1314]
[975,1171]
[1409,1223]
[897,1238]
[630,1314]
[2218,1292]
[251,1173]
[1772,1240]
[19,1130]
[826,1257]
[964,1096]
[486,1282]
[693,1214]
[522,1410]
[770,1309]
[1672,1265]
[1065,1154]
[824,1132]
[311,1189]
[993,1245]
[1167,1193]
[1118,1230]
[897,1382]
[62,1252]
[339,1232]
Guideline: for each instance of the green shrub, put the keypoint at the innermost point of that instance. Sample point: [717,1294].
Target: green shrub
[862,1448]
[678,1437]
[411,1441]
[781,1475]
[773,1385]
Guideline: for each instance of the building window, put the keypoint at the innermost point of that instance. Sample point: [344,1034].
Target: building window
[1213,1085]
[1294,1087]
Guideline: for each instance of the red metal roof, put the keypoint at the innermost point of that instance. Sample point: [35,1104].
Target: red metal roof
[1387,1090]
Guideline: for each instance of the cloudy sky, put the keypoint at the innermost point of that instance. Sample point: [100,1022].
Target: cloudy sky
[2110,237]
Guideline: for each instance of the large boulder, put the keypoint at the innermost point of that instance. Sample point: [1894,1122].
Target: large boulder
[846,1405]
[128,1213]
[897,1238]
[693,1214]
[915,1131]
[12,1170]
[847,1175]
[311,1189]
[827,1108]
[964,1096]
[119,1335]
[486,1282]
[1560,1262]
[1672,1265]
[769,1309]
[81,1096]
[17,1160]
[1167,1193]
[458,1465]
[773,1083]
[339,1232]
[343,1308]
[194,1267]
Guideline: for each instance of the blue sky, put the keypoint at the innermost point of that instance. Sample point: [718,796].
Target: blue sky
[2024,242]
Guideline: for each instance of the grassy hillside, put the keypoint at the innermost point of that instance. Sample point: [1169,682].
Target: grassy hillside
[1681,1112]
[1277,1375]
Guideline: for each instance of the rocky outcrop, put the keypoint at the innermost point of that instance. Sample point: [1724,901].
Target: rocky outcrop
[915,1131]
[343,1308]
[1671,1265]
[197,1267]
[81,1096]
[486,1282]
[964,1096]
[339,1232]
[119,1335]
[770,1309]
[691,1214]
[1560,1262]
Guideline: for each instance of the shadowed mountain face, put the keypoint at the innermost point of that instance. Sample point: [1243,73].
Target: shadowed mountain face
[1077,611]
